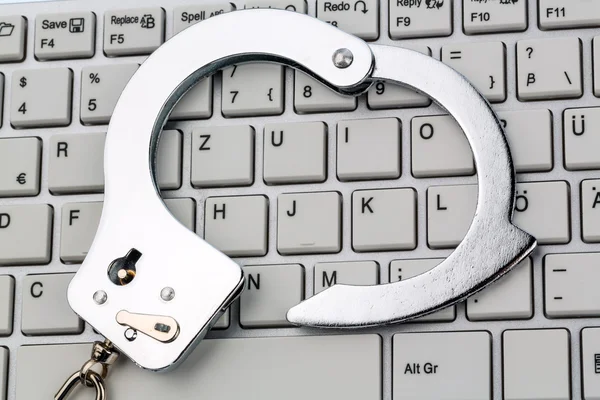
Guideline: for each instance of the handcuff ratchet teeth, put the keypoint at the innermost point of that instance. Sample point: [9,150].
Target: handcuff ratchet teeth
[154,288]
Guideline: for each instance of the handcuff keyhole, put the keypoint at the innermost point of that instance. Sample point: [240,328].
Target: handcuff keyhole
[122,270]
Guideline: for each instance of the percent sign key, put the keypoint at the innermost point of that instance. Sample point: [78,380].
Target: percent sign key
[94,78]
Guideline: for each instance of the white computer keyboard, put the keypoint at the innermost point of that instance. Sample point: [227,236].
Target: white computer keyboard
[306,188]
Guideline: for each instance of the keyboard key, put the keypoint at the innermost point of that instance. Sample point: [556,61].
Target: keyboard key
[197,102]
[432,366]
[340,366]
[3,372]
[101,87]
[290,5]
[368,149]
[385,95]
[186,16]
[46,310]
[184,210]
[311,96]
[12,38]
[509,298]
[590,363]
[420,18]
[41,98]
[596,56]
[570,285]
[223,156]
[133,31]
[529,134]
[406,269]
[1,97]
[558,14]
[359,18]
[309,223]
[20,161]
[349,273]
[271,290]
[79,223]
[77,162]
[252,89]
[535,202]
[536,364]
[7,298]
[450,210]
[295,152]
[549,69]
[25,234]
[590,210]
[384,219]
[494,16]
[237,225]
[581,127]
[439,148]
[482,63]
[68,35]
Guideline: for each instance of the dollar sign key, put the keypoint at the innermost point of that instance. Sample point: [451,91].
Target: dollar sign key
[23,81]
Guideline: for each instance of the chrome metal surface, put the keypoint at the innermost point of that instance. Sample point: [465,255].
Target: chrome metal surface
[491,247]
[134,216]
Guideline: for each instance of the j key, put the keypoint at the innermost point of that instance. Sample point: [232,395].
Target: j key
[25,234]
[69,35]
[483,63]
[559,14]
[384,219]
[252,89]
[186,16]
[223,156]
[133,31]
[511,297]
[349,273]
[7,298]
[341,367]
[41,97]
[582,138]
[536,364]
[406,269]
[494,16]
[570,285]
[431,366]
[549,69]
[237,225]
[309,223]
[295,152]
[20,161]
[360,18]
[420,18]
[368,149]
[12,41]
[271,290]
[46,310]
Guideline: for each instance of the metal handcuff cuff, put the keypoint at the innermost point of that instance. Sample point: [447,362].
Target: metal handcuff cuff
[154,289]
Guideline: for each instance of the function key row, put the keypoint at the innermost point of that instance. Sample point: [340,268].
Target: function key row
[140,31]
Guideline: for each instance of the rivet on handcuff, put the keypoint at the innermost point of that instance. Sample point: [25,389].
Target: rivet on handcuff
[154,289]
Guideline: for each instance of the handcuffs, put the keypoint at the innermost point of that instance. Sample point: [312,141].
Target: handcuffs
[154,289]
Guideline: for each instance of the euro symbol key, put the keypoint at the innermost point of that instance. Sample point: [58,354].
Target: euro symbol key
[21,178]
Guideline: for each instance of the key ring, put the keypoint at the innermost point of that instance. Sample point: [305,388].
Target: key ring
[154,289]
